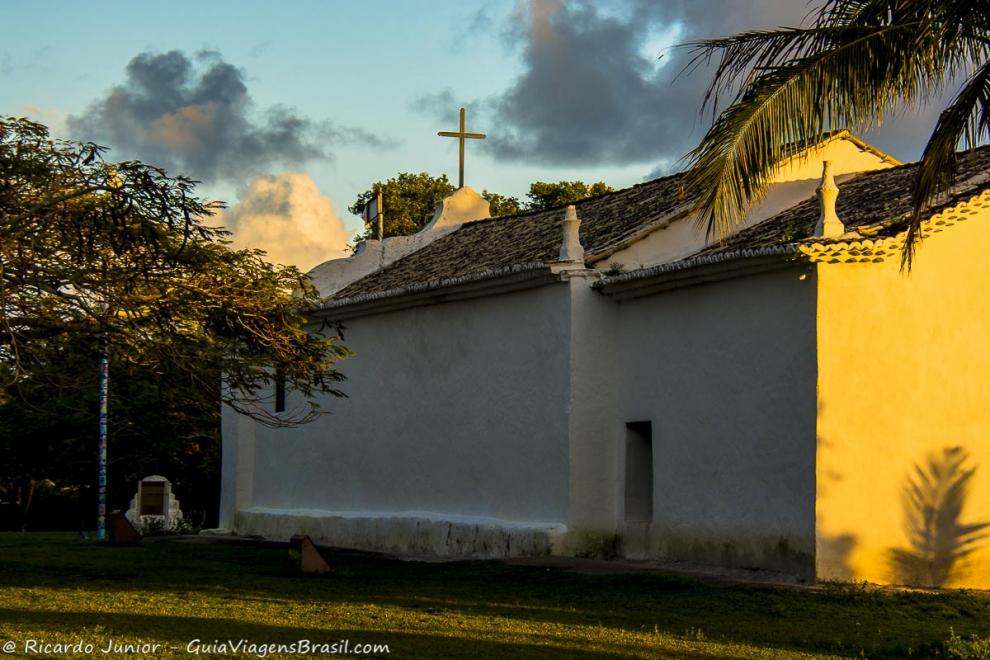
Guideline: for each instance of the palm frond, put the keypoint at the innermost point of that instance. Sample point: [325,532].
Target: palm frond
[743,56]
[793,104]
[859,60]
[966,120]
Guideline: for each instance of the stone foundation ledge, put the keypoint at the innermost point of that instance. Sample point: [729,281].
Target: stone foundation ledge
[409,533]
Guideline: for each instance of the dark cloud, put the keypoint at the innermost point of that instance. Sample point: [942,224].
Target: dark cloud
[443,105]
[663,169]
[595,90]
[904,133]
[195,116]
[480,21]
[587,94]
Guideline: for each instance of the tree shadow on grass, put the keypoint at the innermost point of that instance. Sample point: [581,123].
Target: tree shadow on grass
[176,632]
[933,500]
[440,599]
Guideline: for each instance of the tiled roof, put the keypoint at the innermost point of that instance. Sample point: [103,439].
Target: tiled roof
[876,204]
[486,245]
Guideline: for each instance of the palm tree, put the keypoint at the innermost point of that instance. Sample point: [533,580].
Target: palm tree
[858,60]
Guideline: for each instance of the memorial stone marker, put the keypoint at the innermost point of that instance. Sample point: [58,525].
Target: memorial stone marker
[154,505]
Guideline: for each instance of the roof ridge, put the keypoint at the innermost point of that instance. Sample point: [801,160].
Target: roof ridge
[432,284]
[530,212]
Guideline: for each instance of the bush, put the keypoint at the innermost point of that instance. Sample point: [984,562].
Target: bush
[973,647]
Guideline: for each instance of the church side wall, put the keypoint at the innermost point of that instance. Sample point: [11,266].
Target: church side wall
[455,425]
[237,465]
[594,434]
[904,415]
[725,375]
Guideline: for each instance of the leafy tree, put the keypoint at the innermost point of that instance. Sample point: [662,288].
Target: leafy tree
[857,61]
[159,425]
[501,204]
[121,251]
[543,195]
[409,200]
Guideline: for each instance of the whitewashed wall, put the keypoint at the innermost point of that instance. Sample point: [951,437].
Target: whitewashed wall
[496,427]
[593,514]
[453,438]
[726,373]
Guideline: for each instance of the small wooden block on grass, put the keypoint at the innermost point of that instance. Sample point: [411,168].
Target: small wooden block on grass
[121,531]
[310,559]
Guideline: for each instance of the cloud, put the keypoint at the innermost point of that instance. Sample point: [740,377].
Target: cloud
[596,87]
[586,94]
[905,133]
[600,85]
[195,116]
[442,105]
[288,218]
[53,118]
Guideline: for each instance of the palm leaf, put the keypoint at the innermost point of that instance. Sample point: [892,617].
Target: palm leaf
[790,105]
[967,120]
[858,61]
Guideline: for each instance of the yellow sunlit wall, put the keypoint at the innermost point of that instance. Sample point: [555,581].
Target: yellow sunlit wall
[797,178]
[904,376]
[847,154]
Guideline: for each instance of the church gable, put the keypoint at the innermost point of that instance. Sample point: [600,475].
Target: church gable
[462,207]
[795,181]
[874,208]
[847,153]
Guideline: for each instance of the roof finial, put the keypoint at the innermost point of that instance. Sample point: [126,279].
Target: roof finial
[571,248]
[829,225]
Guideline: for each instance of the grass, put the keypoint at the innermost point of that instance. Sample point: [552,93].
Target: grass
[60,589]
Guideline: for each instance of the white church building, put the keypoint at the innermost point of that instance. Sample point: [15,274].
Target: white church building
[602,380]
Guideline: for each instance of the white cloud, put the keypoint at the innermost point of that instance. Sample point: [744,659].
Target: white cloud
[288,218]
[54,119]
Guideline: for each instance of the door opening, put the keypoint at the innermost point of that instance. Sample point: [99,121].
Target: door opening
[639,472]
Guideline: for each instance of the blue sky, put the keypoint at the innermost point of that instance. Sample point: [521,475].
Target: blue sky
[565,90]
[358,64]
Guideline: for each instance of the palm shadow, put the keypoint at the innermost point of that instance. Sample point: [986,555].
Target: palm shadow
[933,499]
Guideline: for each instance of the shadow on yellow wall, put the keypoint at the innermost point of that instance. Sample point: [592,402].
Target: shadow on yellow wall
[934,496]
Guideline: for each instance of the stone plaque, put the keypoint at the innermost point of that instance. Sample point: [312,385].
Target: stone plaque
[152,498]
[154,507]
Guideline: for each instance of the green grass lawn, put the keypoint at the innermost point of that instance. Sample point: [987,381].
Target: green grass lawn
[59,589]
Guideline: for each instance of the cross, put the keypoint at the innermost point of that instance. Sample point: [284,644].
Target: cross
[460,135]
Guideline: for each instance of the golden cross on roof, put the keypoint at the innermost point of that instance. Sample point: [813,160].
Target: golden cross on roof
[461,135]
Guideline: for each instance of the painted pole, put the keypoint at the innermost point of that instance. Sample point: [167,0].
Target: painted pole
[101,511]
[381,218]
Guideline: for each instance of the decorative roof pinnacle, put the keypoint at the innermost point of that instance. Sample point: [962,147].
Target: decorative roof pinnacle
[570,247]
[829,225]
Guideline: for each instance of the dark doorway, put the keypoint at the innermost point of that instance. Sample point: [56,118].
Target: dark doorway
[639,471]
